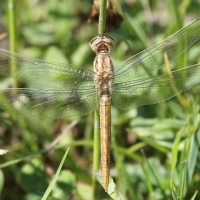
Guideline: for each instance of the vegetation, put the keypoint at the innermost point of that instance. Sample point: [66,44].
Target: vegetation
[155,148]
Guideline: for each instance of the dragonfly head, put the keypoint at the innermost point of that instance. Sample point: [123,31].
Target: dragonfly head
[101,44]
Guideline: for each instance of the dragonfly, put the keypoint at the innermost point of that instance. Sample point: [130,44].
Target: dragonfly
[64,90]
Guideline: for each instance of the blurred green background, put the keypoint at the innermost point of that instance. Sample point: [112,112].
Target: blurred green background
[145,141]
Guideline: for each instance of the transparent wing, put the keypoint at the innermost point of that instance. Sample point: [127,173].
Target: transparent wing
[49,103]
[148,62]
[153,90]
[62,90]
[41,73]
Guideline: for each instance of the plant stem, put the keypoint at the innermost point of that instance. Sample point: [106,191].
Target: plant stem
[96,141]
[182,59]
[96,149]
[102,17]
[12,34]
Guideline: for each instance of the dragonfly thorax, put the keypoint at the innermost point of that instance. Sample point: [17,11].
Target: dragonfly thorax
[104,75]
[103,66]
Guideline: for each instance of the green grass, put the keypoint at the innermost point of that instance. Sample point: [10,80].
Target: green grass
[155,148]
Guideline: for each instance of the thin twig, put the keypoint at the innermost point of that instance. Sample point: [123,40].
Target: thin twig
[66,130]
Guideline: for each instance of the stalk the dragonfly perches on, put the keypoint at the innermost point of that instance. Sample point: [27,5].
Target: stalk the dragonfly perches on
[59,90]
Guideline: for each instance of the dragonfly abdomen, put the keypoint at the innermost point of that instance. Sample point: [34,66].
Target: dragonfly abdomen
[105,124]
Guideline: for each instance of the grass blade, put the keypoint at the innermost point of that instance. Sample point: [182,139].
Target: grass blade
[112,191]
[55,177]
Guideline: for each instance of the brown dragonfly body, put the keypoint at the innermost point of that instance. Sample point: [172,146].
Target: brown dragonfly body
[103,68]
